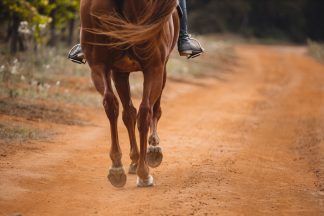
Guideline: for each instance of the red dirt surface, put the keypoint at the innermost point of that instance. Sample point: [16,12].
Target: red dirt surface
[251,144]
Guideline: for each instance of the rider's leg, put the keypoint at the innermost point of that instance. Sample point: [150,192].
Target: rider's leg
[187,46]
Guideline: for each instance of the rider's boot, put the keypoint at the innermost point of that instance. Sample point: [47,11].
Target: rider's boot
[76,55]
[187,45]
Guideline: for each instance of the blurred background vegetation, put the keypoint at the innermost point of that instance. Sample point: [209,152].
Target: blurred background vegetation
[296,20]
[35,36]
[54,21]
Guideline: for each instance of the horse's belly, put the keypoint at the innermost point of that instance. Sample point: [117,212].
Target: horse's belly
[126,64]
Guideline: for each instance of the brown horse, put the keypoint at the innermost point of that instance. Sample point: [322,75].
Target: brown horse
[123,36]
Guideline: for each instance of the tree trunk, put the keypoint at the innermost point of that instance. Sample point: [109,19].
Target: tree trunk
[14,35]
[22,44]
[9,30]
[71,32]
[53,36]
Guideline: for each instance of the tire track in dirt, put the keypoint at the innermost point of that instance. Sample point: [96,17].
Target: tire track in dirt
[251,144]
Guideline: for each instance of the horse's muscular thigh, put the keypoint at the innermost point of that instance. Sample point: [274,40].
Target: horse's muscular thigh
[98,83]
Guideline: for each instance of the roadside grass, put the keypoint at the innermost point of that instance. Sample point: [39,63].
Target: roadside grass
[41,88]
[10,132]
[316,50]
[14,136]
[45,87]
[46,74]
[39,112]
[217,60]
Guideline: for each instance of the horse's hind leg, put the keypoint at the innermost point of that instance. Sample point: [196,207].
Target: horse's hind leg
[116,174]
[129,115]
[153,82]
[154,154]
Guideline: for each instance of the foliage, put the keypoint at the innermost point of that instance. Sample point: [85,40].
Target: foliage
[26,10]
[38,13]
[64,10]
[283,19]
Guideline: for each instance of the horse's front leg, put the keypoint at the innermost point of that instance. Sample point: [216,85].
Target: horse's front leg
[153,82]
[116,175]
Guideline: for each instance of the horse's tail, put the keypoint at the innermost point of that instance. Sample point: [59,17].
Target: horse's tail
[125,33]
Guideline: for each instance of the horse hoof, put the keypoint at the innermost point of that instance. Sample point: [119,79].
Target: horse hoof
[117,177]
[132,168]
[149,182]
[154,156]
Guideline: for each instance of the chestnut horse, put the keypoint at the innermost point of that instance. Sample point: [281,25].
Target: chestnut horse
[123,36]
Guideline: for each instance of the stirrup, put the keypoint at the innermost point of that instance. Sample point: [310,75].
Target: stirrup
[191,56]
[190,53]
[76,55]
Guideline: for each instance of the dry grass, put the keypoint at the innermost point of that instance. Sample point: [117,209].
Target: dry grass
[316,50]
[45,87]
[20,135]
[216,62]
[219,56]
[41,88]
[39,112]
[45,75]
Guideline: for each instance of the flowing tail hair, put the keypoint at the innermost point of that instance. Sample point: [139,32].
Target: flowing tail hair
[124,34]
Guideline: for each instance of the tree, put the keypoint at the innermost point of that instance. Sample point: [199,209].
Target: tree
[63,14]
[296,20]
[59,14]
[21,10]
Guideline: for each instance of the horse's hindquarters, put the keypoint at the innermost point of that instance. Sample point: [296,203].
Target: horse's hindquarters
[109,53]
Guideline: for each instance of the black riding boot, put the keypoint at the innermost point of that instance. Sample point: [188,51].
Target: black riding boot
[187,46]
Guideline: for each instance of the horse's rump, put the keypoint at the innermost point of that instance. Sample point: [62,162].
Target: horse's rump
[129,24]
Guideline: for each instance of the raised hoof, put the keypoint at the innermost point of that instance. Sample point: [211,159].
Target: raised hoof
[154,156]
[149,182]
[117,177]
[132,168]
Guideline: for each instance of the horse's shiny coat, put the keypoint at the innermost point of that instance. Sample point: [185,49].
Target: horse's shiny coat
[120,37]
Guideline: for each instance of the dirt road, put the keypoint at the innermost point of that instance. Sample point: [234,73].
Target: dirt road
[251,143]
